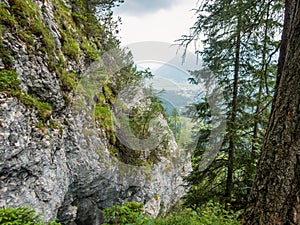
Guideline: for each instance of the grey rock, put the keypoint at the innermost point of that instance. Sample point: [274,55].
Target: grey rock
[68,172]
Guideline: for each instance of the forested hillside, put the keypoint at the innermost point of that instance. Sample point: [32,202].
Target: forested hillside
[84,140]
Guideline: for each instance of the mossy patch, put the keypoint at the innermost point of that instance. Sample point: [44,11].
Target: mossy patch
[27,15]
[103,115]
[6,18]
[9,80]
[73,40]
[71,49]
[9,83]
[23,17]
[5,56]
[90,50]
[54,125]
[68,81]
[44,109]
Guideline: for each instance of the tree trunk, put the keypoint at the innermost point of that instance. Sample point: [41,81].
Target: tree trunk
[234,107]
[275,194]
[250,169]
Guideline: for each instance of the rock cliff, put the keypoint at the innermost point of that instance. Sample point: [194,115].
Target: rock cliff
[55,156]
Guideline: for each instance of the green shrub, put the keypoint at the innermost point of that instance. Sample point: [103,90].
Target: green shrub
[126,214]
[212,214]
[22,216]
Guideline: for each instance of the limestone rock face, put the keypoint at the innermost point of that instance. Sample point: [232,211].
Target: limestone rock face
[66,171]
[64,174]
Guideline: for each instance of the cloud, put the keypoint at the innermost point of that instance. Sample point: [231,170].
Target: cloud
[138,7]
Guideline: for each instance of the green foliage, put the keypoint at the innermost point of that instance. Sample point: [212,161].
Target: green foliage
[26,36]
[9,80]
[5,55]
[28,17]
[128,74]
[97,20]
[22,216]
[174,123]
[68,81]
[9,83]
[6,18]
[24,17]
[140,117]
[71,49]
[90,50]
[211,214]
[104,116]
[126,214]
[53,124]
[44,109]
[103,113]
[239,47]
[108,92]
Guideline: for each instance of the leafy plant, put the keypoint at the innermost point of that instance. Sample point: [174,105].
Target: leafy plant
[22,215]
[131,214]
[212,214]
[126,214]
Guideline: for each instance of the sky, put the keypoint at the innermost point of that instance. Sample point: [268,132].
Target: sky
[155,20]
[149,28]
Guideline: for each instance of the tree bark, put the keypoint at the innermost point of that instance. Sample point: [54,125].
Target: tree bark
[275,194]
[234,108]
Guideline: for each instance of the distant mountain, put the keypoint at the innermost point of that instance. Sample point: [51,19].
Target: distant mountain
[175,99]
[172,73]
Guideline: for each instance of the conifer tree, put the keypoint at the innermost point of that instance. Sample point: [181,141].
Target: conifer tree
[239,48]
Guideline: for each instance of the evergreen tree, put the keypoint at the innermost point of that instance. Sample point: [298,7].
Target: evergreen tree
[239,48]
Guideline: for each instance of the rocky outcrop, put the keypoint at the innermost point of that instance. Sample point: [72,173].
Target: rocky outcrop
[63,168]
[65,174]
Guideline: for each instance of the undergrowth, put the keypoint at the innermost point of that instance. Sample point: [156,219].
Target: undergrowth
[22,215]
[131,214]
